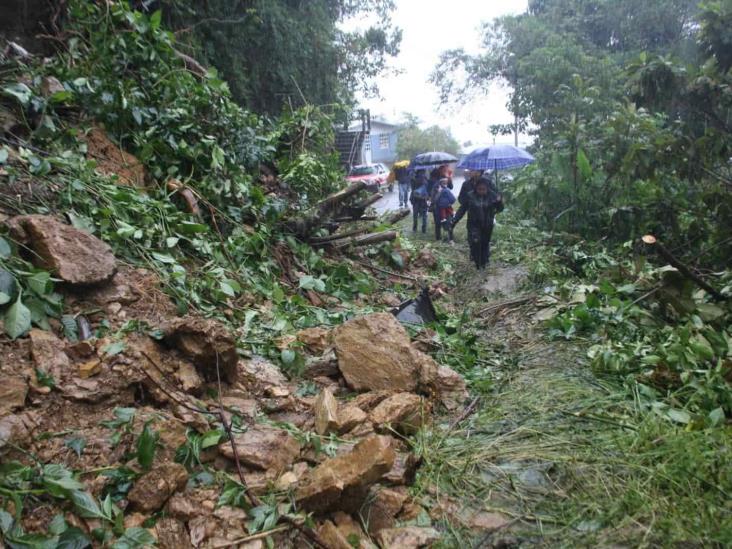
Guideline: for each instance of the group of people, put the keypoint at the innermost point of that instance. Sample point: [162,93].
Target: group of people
[478,198]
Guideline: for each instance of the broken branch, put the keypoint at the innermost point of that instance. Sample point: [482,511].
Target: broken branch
[651,240]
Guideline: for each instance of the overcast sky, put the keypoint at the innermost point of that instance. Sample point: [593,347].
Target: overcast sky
[430,27]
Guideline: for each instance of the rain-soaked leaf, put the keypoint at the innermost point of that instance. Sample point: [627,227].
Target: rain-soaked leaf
[146,446]
[17,320]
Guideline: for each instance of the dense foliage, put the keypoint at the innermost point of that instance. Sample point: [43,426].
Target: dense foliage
[630,106]
[275,53]
[121,70]
[414,140]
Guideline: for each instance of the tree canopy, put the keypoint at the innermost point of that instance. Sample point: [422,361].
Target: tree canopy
[277,52]
[414,140]
[628,104]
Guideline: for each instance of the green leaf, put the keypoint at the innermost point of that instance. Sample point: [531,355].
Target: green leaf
[226,289]
[57,525]
[716,416]
[187,227]
[679,416]
[76,444]
[86,506]
[122,417]
[211,438]
[163,258]
[4,155]
[114,348]
[71,330]
[40,283]
[146,446]
[583,164]
[17,319]
[45,379]
[6,521]
[288,356]
[134,538]
[308,282]
[155,20]
[5,250]
[8,287]
[20,91]
[61,97]
[73,538]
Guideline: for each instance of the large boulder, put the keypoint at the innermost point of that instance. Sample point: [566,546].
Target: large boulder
[207,343]
[263,447]
[70,254]
[342,482]
[375,352]
[155,487]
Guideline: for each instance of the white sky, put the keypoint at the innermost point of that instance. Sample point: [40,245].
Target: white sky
[430,27]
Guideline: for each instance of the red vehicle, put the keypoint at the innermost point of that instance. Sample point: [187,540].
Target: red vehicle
[375,176]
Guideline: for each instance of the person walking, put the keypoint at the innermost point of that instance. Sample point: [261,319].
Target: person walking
[419,198]
[402,177]
[442,201]
[469,185]
[436,175]
[481,205]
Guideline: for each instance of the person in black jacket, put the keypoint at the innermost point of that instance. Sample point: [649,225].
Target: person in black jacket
[481,205]
[469,185]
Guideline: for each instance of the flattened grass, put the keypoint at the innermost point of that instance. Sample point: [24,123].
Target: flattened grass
[564,454]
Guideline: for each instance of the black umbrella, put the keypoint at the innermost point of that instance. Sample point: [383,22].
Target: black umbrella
[435,158]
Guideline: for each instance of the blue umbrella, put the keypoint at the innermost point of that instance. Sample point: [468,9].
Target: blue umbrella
[435,158]
[496,157]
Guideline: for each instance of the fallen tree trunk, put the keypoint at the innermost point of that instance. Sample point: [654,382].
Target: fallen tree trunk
[330,238]
[398,216]
[329,203]
[368,201]
[352,219]
[364,240]
[651,240]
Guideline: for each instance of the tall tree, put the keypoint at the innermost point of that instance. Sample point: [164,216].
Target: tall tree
[630,106]
[413,140]
[277,52]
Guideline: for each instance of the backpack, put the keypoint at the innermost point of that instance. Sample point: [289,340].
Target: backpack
[420,192]
[445,199]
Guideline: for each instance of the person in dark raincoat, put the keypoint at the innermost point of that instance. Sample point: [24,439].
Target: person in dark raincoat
[419,198]
[469,185]
[481,205]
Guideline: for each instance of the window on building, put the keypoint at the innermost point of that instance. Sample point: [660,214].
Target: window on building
[384,141]
[367,143]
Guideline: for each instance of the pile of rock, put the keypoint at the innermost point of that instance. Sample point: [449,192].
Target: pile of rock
[375,388]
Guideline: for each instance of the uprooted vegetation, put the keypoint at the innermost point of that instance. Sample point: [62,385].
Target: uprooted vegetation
[180,366]
[196,350]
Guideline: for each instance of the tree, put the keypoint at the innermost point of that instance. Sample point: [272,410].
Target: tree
[277,52]
[413,140]
[629,103]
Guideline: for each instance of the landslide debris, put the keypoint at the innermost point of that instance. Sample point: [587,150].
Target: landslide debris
[171,373]
[72,255]
[148,409]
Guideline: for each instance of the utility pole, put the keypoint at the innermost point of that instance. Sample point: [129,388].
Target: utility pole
[515,130]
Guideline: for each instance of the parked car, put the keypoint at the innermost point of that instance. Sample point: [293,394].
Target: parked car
[374,175]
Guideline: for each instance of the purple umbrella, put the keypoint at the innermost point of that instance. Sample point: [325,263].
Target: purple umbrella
[496,157]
